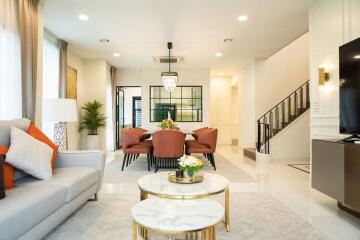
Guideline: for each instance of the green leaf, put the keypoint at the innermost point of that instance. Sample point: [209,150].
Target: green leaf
[91,117]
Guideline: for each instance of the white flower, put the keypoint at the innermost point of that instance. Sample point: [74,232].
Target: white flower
[187,161]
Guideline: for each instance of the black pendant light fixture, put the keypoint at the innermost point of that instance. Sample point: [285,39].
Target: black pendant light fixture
[169,78]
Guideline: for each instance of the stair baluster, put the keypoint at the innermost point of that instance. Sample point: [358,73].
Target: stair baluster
[307,96]
[269,127]
[301,100]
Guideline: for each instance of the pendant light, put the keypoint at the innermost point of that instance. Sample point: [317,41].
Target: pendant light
[169,78]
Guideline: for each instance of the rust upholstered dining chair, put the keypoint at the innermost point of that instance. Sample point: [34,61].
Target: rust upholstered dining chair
[168,148]
[133,147]
[205,144]
[197,131]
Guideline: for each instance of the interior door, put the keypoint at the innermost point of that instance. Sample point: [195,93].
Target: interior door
[120,116]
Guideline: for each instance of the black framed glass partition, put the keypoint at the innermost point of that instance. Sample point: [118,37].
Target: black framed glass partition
[184,104]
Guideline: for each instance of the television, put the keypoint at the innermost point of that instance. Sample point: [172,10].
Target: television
[349,56]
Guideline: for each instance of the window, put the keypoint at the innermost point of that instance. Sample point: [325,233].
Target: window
[51,59]
[184,104]
[10,63]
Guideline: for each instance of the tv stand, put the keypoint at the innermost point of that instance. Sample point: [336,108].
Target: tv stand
[335,171]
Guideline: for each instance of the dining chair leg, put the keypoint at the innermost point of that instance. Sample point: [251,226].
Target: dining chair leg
[124,160]
[148,160]
[127,159]
[213,161]
[156,164]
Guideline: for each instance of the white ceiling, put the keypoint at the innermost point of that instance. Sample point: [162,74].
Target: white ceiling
[140,29]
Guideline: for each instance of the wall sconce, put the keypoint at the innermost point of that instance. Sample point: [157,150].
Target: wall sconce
[324,76]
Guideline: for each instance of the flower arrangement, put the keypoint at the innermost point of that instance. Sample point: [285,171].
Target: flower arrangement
[190,165]
[167,124]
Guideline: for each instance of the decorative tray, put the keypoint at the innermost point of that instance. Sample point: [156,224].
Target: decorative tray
[198,177]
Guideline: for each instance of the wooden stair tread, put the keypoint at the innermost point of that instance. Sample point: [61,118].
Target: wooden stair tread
[250,153]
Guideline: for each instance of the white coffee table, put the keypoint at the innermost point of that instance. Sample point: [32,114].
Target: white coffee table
[157,184]
[169,216]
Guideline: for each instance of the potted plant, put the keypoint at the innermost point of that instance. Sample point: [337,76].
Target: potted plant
[92,119]
[167,124]
[190,165]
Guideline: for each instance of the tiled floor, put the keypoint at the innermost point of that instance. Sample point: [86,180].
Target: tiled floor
[288,185]
[292,187]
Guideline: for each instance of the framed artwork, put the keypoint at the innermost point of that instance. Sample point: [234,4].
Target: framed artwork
[71,85]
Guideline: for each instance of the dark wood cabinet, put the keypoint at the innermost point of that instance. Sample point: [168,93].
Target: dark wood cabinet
[336,171]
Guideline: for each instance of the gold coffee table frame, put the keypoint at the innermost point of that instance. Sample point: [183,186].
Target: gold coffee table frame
[144,195]
[208,233]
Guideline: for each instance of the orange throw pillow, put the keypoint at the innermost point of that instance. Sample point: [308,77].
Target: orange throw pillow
[9,171]
[39,135]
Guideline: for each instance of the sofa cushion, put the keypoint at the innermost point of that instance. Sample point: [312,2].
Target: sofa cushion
[25,207]
[39,135]
[76,180]
[5,129]
[29,154]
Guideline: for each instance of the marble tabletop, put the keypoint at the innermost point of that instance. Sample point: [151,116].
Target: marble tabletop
[158,184]
[170,215]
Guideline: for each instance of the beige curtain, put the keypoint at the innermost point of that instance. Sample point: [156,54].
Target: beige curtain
[28,24]
[62,68]
[113,104]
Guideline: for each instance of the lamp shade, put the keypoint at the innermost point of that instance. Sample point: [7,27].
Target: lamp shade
[59,110]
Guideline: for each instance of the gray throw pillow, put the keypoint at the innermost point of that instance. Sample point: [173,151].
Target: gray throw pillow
[5,128]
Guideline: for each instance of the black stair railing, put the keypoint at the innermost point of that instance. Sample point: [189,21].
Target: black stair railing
[281,115]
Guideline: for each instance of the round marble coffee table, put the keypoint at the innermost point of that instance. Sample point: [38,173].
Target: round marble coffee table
[157,184]
[168,216]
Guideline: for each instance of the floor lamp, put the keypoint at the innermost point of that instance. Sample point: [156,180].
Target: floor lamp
[60,111]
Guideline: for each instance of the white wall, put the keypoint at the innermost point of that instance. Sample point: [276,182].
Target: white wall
[245,81]
[74,137]
[281,73]
[262,84]
[293,143]
[147,77]
[332,24]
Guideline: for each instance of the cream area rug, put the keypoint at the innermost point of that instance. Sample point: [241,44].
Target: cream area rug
[253,216]
[138,168]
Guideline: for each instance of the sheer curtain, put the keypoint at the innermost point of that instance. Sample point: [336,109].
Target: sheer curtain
[10,61]
[51,56]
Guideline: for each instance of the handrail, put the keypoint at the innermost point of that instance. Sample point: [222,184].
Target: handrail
[283,100]
[268,127]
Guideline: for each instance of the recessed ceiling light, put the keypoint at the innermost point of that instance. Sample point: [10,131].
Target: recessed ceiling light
[220,74]
[116,54]
[83,17]
[104,40]
[243,18]
[228,40]
[357,56]
[219,54]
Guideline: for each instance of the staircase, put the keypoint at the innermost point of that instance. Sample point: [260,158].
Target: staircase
[281,116]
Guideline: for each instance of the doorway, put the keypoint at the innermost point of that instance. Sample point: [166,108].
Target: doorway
[128,110]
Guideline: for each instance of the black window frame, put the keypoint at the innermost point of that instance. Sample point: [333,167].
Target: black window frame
[193,99]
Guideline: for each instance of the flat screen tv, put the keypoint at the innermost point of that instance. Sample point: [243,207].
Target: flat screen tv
[350,88]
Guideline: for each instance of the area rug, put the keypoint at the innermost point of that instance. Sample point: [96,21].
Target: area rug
[253,216]
[138,168]
[305,167]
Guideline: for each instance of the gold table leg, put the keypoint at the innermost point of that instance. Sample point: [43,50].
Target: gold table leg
[134,231]
[227,209]
[143,195]
[204,234]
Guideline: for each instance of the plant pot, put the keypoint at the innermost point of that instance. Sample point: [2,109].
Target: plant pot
[92,142]
[188,174]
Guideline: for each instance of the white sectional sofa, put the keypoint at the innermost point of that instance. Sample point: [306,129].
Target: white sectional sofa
[35,207]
